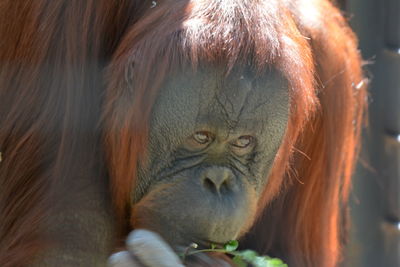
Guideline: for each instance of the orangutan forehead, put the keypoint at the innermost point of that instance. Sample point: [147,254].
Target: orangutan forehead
[239,96]
[208,98]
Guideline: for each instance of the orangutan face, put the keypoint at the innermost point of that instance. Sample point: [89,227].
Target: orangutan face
[213,139]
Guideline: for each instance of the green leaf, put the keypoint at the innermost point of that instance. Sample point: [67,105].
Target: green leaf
[275,262]
[260,261]
[231,245]
[241,258]
[238,261]
[248,255]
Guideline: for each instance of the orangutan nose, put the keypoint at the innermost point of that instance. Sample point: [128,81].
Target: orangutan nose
[217,179]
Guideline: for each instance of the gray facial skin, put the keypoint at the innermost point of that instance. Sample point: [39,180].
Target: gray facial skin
[213,139]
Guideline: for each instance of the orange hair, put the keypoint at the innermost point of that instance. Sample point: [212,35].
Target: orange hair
[310,179]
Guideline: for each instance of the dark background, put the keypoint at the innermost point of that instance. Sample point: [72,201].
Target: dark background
[375,200]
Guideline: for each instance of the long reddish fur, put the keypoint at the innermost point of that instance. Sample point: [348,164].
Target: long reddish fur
[301,213]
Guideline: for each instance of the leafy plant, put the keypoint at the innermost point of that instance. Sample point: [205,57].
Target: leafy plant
[240,258]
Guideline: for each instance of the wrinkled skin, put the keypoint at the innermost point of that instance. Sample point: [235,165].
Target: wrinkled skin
[213,139]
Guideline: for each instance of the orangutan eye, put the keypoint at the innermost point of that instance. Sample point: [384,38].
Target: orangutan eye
[243,141]
[203,137]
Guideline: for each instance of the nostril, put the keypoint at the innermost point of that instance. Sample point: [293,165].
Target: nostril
[209,184]
[225,186]
[217,180]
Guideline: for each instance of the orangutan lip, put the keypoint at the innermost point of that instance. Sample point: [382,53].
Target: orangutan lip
[216,244]
[206,244]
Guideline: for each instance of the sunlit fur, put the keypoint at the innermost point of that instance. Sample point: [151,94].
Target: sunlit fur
[77,84]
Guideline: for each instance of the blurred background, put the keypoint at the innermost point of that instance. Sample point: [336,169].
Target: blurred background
[375,200]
